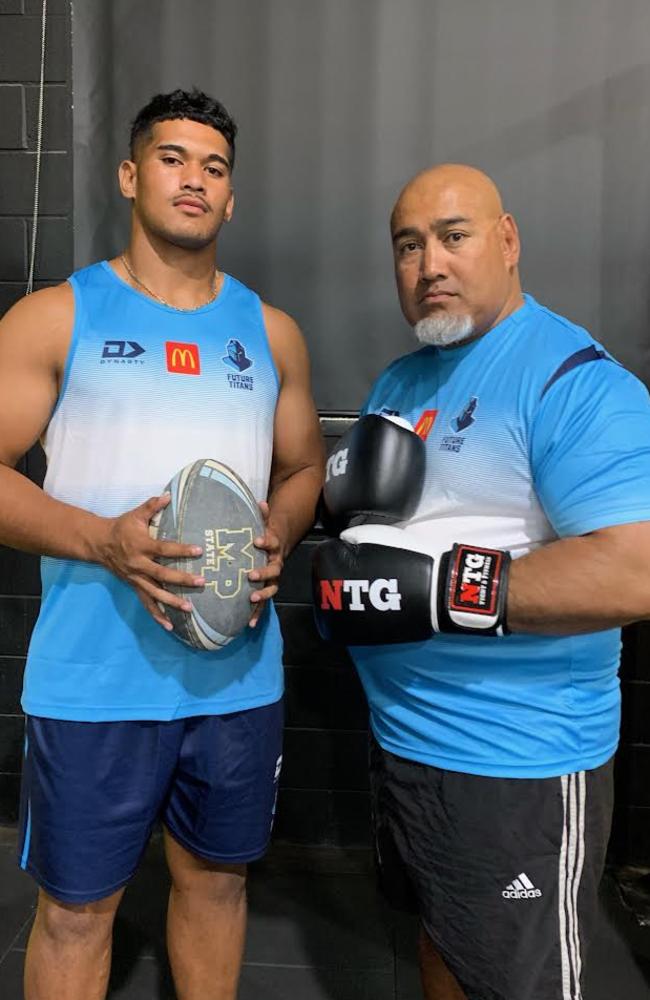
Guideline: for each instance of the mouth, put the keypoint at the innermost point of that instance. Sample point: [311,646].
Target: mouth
[191,206]
[431,297]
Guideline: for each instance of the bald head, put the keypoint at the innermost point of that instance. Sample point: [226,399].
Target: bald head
[466,184]
[456,254]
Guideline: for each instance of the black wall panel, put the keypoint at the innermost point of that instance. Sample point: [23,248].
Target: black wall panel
[20,47]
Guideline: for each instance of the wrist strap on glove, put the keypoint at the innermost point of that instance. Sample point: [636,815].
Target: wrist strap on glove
[473,596]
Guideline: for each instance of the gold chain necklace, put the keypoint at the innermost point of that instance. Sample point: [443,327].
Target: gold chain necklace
[131,273]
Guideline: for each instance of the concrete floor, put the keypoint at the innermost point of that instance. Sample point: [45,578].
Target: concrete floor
[317,931]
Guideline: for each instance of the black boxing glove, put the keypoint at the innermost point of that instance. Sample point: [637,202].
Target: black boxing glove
[375,474]
[378,585]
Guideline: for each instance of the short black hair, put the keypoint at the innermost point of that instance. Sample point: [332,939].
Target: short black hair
[192,104]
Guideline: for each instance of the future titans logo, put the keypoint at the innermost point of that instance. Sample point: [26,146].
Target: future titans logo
[236,356]
[465,419]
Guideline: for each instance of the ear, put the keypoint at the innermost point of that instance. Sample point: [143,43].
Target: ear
[230,207]
[127,173]
[509,238]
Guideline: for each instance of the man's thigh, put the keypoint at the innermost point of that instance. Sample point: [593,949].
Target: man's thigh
[90,795]
[504,872]
[221,802]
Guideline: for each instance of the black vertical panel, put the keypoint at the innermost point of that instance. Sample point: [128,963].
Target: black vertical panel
[630,842]
[20,49]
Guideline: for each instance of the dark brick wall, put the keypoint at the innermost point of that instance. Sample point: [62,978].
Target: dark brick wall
[323,796]
[20,47]
[323,788]
[19,75]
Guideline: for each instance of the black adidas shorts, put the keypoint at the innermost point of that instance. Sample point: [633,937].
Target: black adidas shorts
[504,872]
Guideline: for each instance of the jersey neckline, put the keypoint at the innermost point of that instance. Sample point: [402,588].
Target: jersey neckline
[514,318]
[225,288]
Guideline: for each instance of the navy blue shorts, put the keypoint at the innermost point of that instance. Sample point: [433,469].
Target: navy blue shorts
[92,791]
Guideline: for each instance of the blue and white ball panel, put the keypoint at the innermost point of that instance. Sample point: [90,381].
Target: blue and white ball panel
[517,456]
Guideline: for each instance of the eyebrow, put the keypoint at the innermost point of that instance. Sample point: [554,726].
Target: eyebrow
[438,224]
[452,221]
[173,148]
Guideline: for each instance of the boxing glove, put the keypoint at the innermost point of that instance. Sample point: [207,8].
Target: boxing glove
[375,474]
[379,584]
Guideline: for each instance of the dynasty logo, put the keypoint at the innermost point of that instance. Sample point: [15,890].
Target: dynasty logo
[122,352]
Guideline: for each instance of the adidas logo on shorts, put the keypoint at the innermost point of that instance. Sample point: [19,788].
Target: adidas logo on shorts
[521,888]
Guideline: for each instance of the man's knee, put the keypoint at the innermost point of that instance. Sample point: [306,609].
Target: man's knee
[213,881]
[70,923]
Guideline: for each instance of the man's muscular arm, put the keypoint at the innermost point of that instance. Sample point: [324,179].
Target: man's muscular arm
[298,452]
[34,340]
[596,581]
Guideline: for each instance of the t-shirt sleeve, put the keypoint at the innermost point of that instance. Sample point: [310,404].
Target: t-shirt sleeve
[367,405]
[590,449]
[386,392]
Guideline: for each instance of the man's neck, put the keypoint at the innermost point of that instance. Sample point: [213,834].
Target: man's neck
[185,279]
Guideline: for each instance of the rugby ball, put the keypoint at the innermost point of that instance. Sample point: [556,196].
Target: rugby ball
[212,507]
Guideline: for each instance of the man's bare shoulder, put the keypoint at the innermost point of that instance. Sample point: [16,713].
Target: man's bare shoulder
[286,342]
[279,323]
[53,305]
[42,321]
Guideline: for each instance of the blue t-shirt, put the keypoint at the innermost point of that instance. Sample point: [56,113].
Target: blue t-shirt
[533,433]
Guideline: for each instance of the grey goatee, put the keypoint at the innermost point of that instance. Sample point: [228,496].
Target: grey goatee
[442,330]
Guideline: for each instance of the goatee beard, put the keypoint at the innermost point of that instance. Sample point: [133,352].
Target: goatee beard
[442,330]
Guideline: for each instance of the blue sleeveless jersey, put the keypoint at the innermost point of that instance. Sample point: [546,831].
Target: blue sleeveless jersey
[533,433]
[148,389]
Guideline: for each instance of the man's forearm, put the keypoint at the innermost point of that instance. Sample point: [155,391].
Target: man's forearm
[292,506]
[576,585]
[34,522]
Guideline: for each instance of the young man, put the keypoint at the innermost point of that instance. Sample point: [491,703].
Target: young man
[491,769]
[127,372]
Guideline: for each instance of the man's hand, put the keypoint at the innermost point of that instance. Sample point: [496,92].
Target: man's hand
[129,551]
[270,573]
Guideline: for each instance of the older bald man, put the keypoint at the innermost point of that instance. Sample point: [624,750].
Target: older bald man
[491,768]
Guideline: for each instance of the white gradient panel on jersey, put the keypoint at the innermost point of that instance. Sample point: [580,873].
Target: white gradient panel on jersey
[123,427]
[515,460]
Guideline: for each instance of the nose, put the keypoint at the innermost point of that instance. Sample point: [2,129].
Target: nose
[432,266]
[193,177]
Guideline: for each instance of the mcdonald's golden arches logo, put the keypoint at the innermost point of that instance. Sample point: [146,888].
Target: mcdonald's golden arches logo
[425,423]
[183,359]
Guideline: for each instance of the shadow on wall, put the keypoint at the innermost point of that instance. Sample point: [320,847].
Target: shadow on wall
[615,113]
